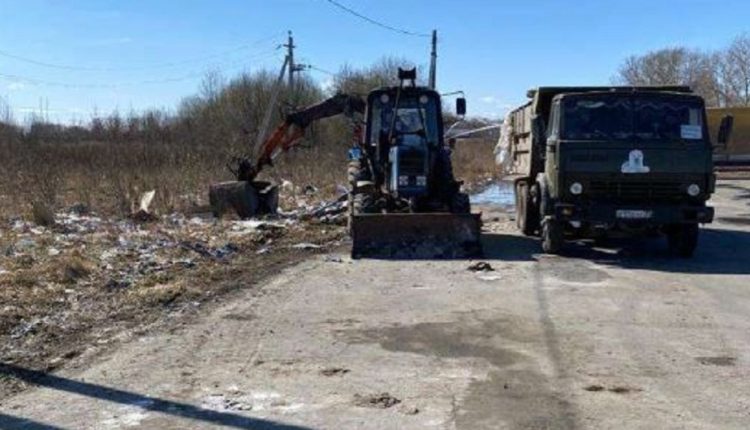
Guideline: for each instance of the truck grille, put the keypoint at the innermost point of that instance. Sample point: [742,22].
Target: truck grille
[636,190]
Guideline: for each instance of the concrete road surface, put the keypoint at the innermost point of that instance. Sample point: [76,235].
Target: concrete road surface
[603,338]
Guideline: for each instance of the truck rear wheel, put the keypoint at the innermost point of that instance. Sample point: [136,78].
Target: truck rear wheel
[553,237]
[682,239]
[527,218]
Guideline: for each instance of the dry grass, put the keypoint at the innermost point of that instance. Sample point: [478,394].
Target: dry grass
[109,177]
[474,162]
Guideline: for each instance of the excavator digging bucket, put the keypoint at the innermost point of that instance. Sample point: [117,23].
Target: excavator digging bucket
[416,236]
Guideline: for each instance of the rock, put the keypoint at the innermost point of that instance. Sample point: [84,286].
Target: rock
[53,252]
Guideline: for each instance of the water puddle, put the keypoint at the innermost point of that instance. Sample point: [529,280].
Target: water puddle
[498,194]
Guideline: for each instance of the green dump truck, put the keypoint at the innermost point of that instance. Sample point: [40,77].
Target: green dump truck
[593,162]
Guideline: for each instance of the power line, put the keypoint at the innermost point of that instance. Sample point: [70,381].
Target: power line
[197,74]
[136,68]
[374,22]
[318,69]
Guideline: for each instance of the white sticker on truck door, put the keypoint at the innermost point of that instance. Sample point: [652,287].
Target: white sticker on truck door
[693,132]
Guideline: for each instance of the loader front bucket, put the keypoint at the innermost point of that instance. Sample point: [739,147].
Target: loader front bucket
[416,235]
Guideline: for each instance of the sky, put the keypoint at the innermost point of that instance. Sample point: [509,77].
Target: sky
[77,58]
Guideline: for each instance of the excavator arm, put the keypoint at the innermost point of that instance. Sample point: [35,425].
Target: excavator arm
[292,130]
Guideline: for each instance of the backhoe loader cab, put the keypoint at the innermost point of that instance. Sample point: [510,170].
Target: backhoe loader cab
[403,137]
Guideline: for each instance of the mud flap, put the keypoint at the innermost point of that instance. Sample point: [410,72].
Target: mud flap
[416,236]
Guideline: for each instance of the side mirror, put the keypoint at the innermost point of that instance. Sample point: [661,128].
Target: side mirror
[460,106]
[725,130]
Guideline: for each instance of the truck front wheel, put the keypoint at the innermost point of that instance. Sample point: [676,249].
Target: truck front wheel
[682,239]
[553,237]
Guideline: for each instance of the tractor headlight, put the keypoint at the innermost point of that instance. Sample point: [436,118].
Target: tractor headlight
[576,188]
[693,190]
[403,181]
[421,181]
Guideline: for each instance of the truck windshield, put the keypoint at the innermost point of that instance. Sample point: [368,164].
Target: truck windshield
[619,117]
[415,115]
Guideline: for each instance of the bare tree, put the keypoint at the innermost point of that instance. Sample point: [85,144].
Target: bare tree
[673,66]
[361,81]
[734,72]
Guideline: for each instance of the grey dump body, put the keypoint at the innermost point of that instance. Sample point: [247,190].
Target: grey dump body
[595,161]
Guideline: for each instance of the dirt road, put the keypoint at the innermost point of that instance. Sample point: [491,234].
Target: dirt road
[601,338]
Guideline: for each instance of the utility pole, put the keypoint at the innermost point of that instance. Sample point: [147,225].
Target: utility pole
[293,67]
[433,61]
[290,59]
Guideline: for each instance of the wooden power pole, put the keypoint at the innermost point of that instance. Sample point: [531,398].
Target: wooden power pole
[433,61]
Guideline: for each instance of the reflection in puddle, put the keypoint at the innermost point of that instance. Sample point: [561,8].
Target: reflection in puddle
[500,193]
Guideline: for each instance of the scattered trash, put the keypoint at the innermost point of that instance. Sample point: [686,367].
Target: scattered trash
[379,401]
[114,284]
[481,266]
[25,328]
[490,277]
[24,245]
[79,209]
[334,371]
[143,214]
[305,245]
[208,252]
[333,258]
[53,252]
[264,250]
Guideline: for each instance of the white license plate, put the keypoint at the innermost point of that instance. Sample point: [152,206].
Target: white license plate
[633,214]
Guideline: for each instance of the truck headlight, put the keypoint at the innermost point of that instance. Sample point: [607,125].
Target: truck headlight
[693,190]
[576,188]
[421,181]
[403,181]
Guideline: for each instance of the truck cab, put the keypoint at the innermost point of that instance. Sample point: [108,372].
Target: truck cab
[616,161]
